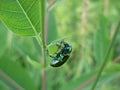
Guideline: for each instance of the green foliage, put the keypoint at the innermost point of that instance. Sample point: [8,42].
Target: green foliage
[3,86]
[52,29]
[107,76]
[88,31]
[22,17]
[3,40]
[17,74]
[101,39]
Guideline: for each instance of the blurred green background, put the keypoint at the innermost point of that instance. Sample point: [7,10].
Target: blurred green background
[88,25]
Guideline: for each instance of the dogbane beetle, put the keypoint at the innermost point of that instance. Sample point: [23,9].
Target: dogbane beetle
[61,56]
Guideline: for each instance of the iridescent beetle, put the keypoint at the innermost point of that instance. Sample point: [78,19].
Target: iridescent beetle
[61,56]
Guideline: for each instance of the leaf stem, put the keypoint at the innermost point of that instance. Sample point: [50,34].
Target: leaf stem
[50,4]
[10,81]
[42,15]
[106,56]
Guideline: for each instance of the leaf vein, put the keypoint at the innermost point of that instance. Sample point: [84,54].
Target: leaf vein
[31,5]
[33,27]
[11,11]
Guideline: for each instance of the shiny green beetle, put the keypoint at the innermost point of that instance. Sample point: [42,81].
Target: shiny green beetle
[61,56]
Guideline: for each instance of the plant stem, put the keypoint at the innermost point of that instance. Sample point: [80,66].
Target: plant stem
[51,4]
[10,81]
[85,84]
[46,27]
[106,56]
[42,13]
[43,21]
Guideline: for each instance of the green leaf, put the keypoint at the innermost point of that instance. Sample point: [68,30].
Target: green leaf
[28,48]
[102,39]
[110,72]
[34,63]
[52,29]
[72,85]
[3,86]
[3,38]
[17,74]
[112,68]
[21,16]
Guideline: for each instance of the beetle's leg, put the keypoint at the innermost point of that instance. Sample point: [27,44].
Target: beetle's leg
[64,44]
[59,46]
[60,57]
[51,56]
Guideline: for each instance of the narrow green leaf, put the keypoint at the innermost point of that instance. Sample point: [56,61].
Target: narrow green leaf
[21,16]
[3,86]
[112,68]
[108,74]
[34,63]
[101,39]
[3,38]
[27,49]
[52,29]
[17,74]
